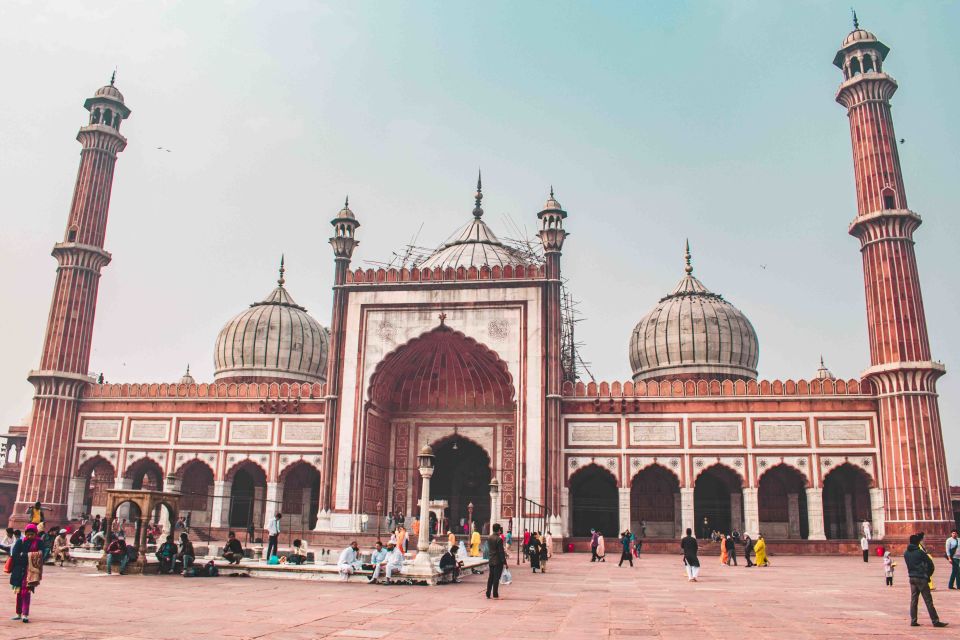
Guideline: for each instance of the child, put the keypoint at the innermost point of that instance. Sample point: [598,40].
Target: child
[888,565]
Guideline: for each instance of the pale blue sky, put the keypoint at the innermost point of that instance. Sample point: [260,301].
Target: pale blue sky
[654,121]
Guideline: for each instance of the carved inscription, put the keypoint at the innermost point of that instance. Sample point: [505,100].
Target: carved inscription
[250,432]
[199,431]
[779,432]
[302,432]
[150,430]
[654,433]
[711,432]
[844,431]
[591,433]
[101,430]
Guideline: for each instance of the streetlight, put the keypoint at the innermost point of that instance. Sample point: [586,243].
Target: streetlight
[425,460]
[379,517]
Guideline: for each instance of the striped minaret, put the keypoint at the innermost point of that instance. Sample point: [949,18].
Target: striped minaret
[914,479]
[65,361]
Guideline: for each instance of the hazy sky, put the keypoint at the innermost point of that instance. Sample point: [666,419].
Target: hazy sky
[654,121]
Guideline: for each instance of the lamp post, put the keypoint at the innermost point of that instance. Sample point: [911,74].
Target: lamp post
[425,460]
[494,502]
[379,517]
[470,517]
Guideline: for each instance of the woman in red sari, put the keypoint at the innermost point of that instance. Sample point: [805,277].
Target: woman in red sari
[26,569]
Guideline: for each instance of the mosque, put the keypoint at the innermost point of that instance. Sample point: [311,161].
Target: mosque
[463,351]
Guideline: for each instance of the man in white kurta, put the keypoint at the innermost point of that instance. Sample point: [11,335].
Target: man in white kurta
[347,562]
[394,562]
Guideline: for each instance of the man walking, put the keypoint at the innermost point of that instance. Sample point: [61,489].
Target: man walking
[731,551]
[747,549]
[920,568]
[865,547]
[594,543]
[498,558]
[954,557]
[690,560]
[273,536]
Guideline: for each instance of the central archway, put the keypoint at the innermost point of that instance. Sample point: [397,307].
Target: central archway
[434,384]
[594,502]
[717,501]
[654,495]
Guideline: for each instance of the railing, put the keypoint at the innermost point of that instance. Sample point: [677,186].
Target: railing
[533,517]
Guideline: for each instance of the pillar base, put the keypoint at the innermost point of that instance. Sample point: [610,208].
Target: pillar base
[936,531]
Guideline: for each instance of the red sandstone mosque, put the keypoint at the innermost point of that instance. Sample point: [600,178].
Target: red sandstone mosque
[463,352]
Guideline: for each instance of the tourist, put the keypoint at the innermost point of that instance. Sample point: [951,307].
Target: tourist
[866,530]
[364,522]
[390,521]
[117,553]
[233,551]
[544,553]
[273,536]
[35,515]
[186,554]
[920,569]
[864,547]
[637,547]
[78,537]
[401,538]
[450,567]
[415,528]
[167,555]
[747,549]
[706,528]
[643,528]
[731,550]
[48,538]
[601,547]
[451,539]
[690,560]
[533,551]
[95,526]
[26,569]
[625,554]
[953,555]
[394,561]
[378,560]
[760,548]
[724,557]
[475,544]
[298,555]
[498,558]
[347,562]
[735,534]
[888,565]
[548,543]
[920,536]
[526,543]
[594,542]
[61,547]
[8,540]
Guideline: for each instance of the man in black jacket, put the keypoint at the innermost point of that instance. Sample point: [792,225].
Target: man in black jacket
[498,558]
[920,568]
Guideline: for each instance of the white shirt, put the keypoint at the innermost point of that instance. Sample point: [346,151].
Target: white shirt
[864,543]
[273,527]
[347,556]
[395,557]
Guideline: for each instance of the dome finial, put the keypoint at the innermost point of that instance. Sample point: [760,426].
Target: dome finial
[280,280]
[346,201]
[113,76]
[856,23]
[188,368]
[478,196]
[687,257]
[551,191]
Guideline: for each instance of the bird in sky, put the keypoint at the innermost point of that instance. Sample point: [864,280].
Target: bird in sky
[163,149]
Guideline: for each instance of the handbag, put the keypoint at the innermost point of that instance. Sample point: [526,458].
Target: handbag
[8,565]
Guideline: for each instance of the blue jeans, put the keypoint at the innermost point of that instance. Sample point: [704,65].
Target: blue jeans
[187,562]
[124,559]
[954,573]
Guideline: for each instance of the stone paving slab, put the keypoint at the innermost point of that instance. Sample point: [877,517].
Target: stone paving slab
[798,597]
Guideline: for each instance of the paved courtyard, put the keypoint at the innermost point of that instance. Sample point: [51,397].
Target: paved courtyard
[797,597]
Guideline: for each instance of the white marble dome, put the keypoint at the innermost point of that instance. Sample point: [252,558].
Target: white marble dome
[693,333]
[273,339]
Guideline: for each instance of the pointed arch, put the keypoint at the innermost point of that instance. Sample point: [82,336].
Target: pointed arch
[594,501]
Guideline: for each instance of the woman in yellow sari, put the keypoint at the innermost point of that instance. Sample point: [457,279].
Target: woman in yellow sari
[723,550]
[760,548]
[475,544]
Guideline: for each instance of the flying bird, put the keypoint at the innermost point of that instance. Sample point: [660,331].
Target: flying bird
[763,266]
[902,140]
[163,149]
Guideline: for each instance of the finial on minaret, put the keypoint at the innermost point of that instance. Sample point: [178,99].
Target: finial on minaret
[346,201]
[280,280]
[821,361]
[478,196]
[686,257]
[856,23]
[113,77]
[443,318]
[551,191]
[188,368]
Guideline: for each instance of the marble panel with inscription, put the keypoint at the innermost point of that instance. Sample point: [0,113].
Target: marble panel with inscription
[250,432]
[101,429]
[779,432]
[717,433]
[150,430]
[591,433]
[844,432]
[654,433]
[199,431]
[302,433]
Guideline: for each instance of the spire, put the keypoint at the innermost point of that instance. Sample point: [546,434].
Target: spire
[280,280]
[113,77]
[188,368]
[856,23]
[478,196]
[346,201]
[551,192]
[687,256]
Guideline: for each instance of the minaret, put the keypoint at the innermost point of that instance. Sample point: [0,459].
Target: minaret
[344,243]
[914,482]
[552,236]
[65,361]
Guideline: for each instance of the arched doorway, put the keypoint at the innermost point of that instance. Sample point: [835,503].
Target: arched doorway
[594,502]
[440,378]
[247,493]
[196,489]
[99,475]
[782,503]
[717,501]
[654,498]
[461,476]
[846,502]
[145,474]
[301,486]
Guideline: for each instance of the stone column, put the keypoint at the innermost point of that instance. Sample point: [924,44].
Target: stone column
[274,502]
[677,515]
[850,525]
[78,489]
[624,508]
[171,483]
[565,511]
[259,506]
[220,512]
[494,509]
[815,515]
[736,511]
[793,515]
[686,510]
[751,512]
[123,512]
[877,511]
